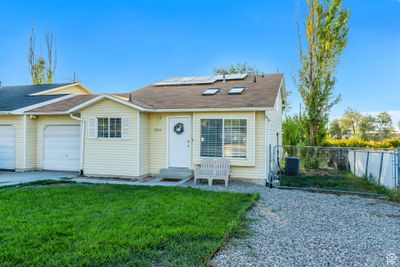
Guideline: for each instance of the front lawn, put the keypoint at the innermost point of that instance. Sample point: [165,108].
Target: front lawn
[74,224]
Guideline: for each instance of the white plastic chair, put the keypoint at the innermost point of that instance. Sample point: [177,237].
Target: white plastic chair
[206,171]
[221,170]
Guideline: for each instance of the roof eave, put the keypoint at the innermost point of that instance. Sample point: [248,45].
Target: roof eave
[23,110]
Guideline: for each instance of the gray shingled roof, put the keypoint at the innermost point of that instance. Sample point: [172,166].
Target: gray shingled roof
[16,97]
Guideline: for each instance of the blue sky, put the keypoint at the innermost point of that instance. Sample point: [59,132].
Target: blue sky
[118,46]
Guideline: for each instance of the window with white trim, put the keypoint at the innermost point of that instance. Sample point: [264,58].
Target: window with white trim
[109,127]
[235,133]
[223,138]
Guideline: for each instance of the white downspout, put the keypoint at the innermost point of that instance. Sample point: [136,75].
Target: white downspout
[24,142]
[266,148]
[82,124]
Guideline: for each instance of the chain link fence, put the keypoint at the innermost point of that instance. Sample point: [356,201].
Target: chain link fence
[335,168]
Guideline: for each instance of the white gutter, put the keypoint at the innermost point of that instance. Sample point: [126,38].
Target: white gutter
[24,141]
[21,111]
[138,144]
[82,143]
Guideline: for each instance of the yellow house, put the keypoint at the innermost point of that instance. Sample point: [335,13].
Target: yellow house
[174,123]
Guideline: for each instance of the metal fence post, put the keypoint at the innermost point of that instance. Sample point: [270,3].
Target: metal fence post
[398,167]
[366,165]
[380,169]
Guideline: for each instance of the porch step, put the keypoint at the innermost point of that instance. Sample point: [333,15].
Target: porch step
[175,173]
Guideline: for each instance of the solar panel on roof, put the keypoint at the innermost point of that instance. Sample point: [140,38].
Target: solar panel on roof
[236,76]
[236,90]
[211,91]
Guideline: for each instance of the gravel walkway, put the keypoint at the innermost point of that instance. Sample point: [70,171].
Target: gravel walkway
[295,228]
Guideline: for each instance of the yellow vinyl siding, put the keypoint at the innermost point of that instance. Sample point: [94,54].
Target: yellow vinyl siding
[73,90]
[41,123]
[275,126]
[111,157]
[31,139]
[159,139]
[17,122]
[256,172]
[144,145]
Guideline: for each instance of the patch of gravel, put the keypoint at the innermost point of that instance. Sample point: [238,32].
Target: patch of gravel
[296,228]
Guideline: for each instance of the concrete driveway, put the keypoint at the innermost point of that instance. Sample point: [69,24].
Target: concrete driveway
[14,178]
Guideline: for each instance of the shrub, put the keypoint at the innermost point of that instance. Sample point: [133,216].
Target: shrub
[355,142]
[394,195]
[311,162]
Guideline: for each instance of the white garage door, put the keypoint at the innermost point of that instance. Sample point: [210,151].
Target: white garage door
[7,147]
[62,148]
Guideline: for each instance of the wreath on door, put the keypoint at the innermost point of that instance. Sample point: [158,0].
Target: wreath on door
[178,128]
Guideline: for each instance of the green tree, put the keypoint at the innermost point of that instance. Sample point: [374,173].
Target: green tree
[42,70]
[291,134]
[239,68]
[384,126]
[367,127]
[326,34]
[335,131]
[350,122]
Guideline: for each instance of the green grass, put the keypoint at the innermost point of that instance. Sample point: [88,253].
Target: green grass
[339,180]
[114,225]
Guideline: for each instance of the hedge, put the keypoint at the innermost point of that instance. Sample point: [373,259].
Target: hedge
[354,142]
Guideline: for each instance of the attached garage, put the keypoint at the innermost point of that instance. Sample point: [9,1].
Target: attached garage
[7,147]
[61,148]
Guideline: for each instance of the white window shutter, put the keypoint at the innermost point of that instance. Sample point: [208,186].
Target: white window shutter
[92,128]
[126,128]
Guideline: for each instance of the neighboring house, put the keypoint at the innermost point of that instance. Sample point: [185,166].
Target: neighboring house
[173,123]
[18,135]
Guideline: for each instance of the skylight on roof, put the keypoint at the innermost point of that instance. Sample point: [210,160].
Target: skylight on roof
[236,90]
[211,91]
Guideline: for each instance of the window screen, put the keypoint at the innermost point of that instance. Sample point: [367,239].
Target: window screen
[102,127]
[211,138]
[109,127]
[235,138]
[115,127]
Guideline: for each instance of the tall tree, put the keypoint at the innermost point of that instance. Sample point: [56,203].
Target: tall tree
[239,68]
[42,70]
[366,127]
[326,34]
[350,121]
[335,131]
[384,125]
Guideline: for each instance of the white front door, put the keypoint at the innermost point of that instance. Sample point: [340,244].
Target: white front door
[179,142]
[62,148]
[7,147]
